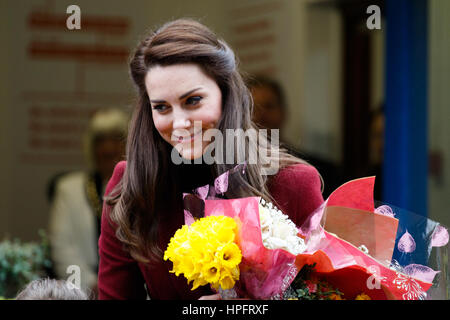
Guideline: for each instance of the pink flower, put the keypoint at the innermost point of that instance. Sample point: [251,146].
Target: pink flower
[312,287]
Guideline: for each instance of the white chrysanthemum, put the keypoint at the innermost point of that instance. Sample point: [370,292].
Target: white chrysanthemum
[278,231]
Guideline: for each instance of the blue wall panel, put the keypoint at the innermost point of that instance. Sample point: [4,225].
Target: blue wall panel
[405,169]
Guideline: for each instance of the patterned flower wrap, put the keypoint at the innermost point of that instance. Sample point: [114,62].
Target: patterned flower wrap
[351,243]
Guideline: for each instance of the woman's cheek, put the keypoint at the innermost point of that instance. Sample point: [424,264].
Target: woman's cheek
[162,126]
[210,120]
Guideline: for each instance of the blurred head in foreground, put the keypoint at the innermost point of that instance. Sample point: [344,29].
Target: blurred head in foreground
[51,289]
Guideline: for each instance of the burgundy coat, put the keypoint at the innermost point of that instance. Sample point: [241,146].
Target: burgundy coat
[296,189]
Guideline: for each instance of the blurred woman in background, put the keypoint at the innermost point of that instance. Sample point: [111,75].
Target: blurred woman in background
[77,203]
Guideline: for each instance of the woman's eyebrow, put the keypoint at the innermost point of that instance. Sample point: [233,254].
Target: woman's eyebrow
[188,93]
[181,97]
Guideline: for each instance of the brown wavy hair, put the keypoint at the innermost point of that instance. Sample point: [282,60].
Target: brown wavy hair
[142,194]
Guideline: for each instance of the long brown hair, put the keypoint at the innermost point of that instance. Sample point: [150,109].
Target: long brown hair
[137,199]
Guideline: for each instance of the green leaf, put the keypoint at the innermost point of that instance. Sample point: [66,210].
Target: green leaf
[21,263]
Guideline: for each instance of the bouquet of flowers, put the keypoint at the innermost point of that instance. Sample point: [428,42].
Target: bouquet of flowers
[245,247]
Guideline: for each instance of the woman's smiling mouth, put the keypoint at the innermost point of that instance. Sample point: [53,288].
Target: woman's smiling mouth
[185,139]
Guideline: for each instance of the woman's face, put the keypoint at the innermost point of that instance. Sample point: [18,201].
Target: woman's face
[180,95]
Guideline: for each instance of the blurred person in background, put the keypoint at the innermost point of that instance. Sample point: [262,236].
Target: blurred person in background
[76,205]
[270,112]
[376,149]
[269,103]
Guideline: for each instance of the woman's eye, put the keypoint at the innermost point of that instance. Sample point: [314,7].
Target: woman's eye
[193,100]
[160,107]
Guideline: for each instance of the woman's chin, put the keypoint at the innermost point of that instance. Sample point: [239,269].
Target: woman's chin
[191,155]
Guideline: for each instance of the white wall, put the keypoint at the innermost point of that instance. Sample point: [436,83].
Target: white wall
[321,122]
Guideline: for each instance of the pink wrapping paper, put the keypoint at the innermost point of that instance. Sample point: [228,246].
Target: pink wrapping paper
[264,273]
[363,228]
[357,194]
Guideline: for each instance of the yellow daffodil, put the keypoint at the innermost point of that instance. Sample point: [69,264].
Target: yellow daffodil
[362,296]
[211,272]
[199,281]
[228,278]
[227,282]
[230,255]
[335,296]
[205,252]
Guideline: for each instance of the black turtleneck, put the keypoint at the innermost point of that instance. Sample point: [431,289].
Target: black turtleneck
[192,176]
[183,178]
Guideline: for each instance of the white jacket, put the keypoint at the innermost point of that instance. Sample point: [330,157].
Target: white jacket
[72,231]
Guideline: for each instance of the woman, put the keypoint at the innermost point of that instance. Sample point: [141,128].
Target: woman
[184,76]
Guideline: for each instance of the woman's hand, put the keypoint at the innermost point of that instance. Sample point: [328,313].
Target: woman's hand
[211,297]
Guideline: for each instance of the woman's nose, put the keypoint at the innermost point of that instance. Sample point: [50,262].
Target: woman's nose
[181,120]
